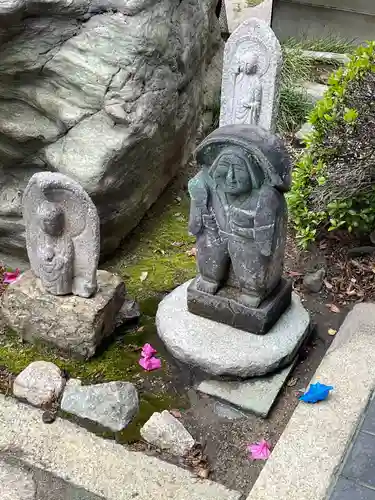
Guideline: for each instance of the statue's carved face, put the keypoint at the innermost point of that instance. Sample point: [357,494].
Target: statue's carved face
[232,175]
[52,220]
[249,64]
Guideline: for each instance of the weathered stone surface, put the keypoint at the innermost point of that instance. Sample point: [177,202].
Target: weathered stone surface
[239,217]
[313,282]
[62,234]
[223,350]
[113,404]
[41,382]
[15,483]
[315,91]
[106,92]
[299,136]
[166,432]
[129,312]
[224,307]
[256,395]
[101,466]
[251,70]
[70,323]
[240,11]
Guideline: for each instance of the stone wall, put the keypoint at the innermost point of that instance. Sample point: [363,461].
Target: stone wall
[350,19]
[107,92]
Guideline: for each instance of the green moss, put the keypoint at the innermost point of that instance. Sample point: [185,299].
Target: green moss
[158,247]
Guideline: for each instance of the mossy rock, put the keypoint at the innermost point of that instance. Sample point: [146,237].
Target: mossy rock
[159,248]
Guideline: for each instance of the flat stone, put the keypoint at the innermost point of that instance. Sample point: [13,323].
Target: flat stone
[313,282]
[224,307]
[15,483]
[256,395]
[305,130]
[315,91]
[72,324]
[223,350]
[40,383]
[346,489]
[226,411]
[112,404]
[167,433]
[129,312]
[360,463]
[100,466]
[321,434]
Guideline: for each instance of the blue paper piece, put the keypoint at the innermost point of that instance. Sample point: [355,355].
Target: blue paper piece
[317,392]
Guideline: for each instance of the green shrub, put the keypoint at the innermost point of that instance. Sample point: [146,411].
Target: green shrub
[334,179]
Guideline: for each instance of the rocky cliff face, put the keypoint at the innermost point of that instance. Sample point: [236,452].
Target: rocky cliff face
[107,92]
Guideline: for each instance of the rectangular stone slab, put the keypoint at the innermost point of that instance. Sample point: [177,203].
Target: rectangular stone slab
[256,395]
[224,308]
[72,324]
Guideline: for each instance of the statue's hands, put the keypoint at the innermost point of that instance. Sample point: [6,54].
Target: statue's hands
[209,222]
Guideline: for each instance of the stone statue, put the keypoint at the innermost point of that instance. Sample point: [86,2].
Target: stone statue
[251,70]
[247,91]
[239,217]
[62,234]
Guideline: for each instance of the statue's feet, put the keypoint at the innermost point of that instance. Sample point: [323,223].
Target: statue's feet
[249,299]
[207,286]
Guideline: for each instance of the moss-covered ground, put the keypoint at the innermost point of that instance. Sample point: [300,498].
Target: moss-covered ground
[153,260]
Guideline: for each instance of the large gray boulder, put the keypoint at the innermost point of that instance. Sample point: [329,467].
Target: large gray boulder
[107,92]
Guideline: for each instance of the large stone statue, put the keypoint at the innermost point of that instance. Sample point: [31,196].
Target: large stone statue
[62,234]
[251,70]
[239,216]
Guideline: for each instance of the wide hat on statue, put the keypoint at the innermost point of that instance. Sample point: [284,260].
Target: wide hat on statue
[265,148]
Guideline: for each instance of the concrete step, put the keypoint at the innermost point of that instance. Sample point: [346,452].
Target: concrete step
[91,465]
[308,456]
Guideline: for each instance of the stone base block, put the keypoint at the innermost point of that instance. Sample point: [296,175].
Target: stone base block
[225,308]
[256,395]
[74,325]
[220,349]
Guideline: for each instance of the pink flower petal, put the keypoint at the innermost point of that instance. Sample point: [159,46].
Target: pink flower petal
[150,364]
[259,451]
[148,351]
[9,277]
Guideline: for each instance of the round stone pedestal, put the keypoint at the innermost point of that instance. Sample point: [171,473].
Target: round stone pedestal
[220,349]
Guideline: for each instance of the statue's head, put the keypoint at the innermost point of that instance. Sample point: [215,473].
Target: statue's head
[248,64]
[231,171]
[51,218]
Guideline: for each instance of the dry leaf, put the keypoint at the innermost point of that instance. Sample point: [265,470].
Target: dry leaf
[328,285]
[192,252]
[140,329]
[177,243]
[175,413]
[332,332]
[203,473]
[292,382]
[143,276]
[333,308]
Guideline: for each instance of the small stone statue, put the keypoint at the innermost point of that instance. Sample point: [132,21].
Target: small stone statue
[247,91]
[251,76]
[239,217]
[62,234]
